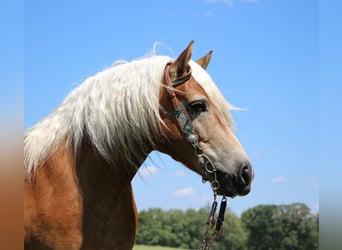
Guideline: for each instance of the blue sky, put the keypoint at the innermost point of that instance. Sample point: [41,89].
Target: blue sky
[266,59]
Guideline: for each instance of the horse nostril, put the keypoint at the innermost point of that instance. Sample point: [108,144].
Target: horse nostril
[245,174]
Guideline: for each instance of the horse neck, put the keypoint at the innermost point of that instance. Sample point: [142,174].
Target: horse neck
[105,176]
[107,197]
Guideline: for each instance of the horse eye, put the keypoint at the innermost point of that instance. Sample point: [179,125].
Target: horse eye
[198,106]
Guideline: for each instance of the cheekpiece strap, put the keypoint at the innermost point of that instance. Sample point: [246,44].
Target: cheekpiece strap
[180,112]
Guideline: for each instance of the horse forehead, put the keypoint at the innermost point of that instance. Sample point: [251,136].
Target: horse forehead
[192,89]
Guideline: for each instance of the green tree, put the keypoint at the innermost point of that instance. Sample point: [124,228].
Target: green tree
[262,228]
[196,225]
[152,229]
[177,223]
[281,227]
[174,228]
[300,227]
[234,235]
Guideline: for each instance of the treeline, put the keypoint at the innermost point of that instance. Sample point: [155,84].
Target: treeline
[262,227]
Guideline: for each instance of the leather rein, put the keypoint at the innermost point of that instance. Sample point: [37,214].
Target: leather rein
[207,167]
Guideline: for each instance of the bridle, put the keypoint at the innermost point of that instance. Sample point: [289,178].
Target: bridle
[185,124]
[207,167]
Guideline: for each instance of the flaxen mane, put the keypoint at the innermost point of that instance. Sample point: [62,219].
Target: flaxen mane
[117,109]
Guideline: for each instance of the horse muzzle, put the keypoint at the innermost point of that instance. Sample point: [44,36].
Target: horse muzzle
[239,184]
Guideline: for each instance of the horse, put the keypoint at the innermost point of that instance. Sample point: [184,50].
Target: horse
[79,161]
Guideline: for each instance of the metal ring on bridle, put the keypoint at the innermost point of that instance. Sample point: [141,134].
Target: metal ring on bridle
[215,185]
[192,138]
[211,169]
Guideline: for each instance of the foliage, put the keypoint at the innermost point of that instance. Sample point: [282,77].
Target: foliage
[143,247]
[262,227]
[184,229]
[281,227]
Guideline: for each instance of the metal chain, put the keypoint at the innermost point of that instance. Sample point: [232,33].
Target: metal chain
[210,224]
[212,221]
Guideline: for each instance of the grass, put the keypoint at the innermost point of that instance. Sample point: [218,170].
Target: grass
[143,247]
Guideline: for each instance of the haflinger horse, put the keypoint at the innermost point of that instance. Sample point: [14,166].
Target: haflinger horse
[80,160]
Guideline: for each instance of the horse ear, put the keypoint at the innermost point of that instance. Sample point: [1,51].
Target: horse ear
[181,66]
[205,60]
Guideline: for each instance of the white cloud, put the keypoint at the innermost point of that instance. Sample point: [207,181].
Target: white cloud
[249,1]
[206,199]
[279,179]
[208,13]
[310,178]
[180,173]
[148,171]
[264,151]
[184,192]
[315,207]
[227,2]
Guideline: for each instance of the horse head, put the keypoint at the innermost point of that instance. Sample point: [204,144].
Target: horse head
[196,126]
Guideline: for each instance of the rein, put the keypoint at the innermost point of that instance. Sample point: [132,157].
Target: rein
[208,168]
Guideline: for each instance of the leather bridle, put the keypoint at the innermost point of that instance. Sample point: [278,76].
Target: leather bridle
[207,167]
[185,124]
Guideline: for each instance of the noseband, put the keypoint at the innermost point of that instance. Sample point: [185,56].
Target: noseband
[209,172]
